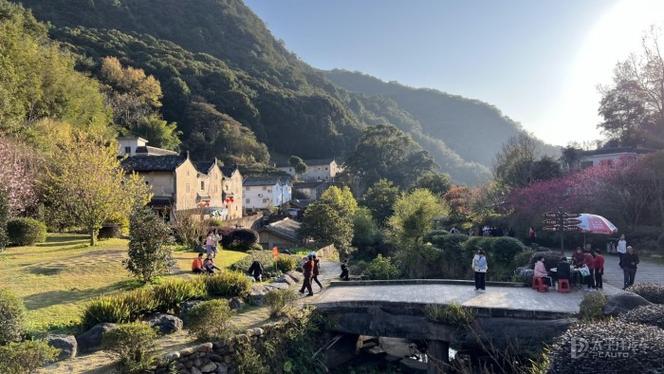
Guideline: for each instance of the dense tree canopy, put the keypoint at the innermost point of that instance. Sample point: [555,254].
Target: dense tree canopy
[380,199]
[386,152]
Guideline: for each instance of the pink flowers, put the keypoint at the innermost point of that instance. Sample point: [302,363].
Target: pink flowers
[17,175]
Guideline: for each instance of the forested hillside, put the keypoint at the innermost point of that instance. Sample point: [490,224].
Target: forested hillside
[473,129]
[230,86]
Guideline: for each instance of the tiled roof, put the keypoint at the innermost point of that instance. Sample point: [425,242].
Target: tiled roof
[263,181]
[140,163]
[228,170]
[154,151]
[286,228]
[309,162]
[204,166]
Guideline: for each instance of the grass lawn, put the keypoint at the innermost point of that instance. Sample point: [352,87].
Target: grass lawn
[56,278]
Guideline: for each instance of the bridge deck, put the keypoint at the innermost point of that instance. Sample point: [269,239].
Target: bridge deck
[418,292]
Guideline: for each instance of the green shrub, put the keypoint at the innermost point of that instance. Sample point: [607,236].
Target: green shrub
[12,317]
[240,239]
[523,258]
[382,268]
[452,314]
[210,320]
[551,258]
[134,345]
[112,309]
[285,263]
[278,299]
[25,357]
[262,256]
[592,305]
[650,291]
[170,294]
[625,348]
[140,301]
[652,315]
[4,216]
[26,231]
[431,235]
[149,251]
[228,284]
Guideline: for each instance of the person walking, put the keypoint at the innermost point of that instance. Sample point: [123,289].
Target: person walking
[308,269]
[589,262]
[622,248]
[599,269]
[629,264]
[480,266]
[316,271]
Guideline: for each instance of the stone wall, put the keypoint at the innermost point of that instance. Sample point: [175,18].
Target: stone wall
[329,253]
[209,357]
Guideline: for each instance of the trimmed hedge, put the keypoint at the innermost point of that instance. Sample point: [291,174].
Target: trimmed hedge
[134,345]
[650,291]
[209,320]
[611,346]
[228,284]
[652,315]
[12,317]
[26,231]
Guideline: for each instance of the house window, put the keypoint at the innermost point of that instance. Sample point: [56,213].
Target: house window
[202,185]
[269,190]
[266,200]
[128,150]
[264,188]
[248,201]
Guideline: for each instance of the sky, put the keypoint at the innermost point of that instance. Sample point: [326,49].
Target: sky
[539,61]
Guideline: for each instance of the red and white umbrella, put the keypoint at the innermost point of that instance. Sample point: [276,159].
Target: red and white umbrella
[594,224]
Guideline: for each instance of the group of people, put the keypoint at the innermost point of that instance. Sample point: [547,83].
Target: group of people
[203,266]
[212,241]
[310,270]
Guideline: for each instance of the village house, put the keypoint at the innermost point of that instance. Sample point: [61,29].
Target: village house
[317,170]
[609,156]
[266,192]
[309,190]
[282,234]
[180,184]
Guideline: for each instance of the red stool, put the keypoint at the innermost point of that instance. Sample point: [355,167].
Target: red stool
[563,285]
[539,285]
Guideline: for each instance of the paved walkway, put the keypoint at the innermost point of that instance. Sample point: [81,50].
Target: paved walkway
[513,298]
[648,271]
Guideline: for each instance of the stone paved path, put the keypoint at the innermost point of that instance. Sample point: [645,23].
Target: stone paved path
[648,271]
[514,298]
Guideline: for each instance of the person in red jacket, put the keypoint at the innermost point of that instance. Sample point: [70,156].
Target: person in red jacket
[316,272]
[598,265]
[589,261]
[308,269]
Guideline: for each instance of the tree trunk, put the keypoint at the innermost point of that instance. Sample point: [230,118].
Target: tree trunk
[93,236]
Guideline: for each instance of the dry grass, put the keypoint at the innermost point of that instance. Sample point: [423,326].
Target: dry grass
[56,278]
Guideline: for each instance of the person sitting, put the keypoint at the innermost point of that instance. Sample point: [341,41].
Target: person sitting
[256,270]
[197,264]
[540,271]
[209,266]
[564,269]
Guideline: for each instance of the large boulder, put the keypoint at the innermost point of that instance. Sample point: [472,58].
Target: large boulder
[90,340]
[652,315]
[187,306]
[165,323]
[65,343]
[623,302]
[235,303]
[257,295]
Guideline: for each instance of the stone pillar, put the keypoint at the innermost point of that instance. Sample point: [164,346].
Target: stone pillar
[438,353]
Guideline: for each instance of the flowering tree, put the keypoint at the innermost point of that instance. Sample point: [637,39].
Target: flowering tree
[17,175]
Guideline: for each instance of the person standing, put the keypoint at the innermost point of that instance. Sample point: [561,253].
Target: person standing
[599,269]
[344,271]
[480,266]
[209,244]
[589,262]
[622,248]
[629,263]
[308,269]
[316,271]
[532,234]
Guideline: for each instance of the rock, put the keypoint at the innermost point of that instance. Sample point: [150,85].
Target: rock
[172,356]
[236,303]
[277,285]
[222,368]
[257,295]
[165,323]
[194,370]
[65,343]
[411,366]
[623,302]
[215,357]
[91,340]
[186,306]
[285,279]
[208,368]
[256,331]
[205,347]
[294,275]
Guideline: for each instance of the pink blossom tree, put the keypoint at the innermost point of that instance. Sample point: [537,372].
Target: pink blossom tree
[17,175]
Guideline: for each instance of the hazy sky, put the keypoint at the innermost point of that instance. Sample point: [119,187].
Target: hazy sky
[538,61]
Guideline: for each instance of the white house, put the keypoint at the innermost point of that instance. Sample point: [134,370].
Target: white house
[610,156]
[266,192]
[135,145]
[317,170]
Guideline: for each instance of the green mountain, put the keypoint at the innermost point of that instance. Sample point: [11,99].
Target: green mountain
[473,129]
[218,64]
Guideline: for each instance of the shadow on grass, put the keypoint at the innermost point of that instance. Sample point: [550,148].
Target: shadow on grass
[50,298]
[53,240]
